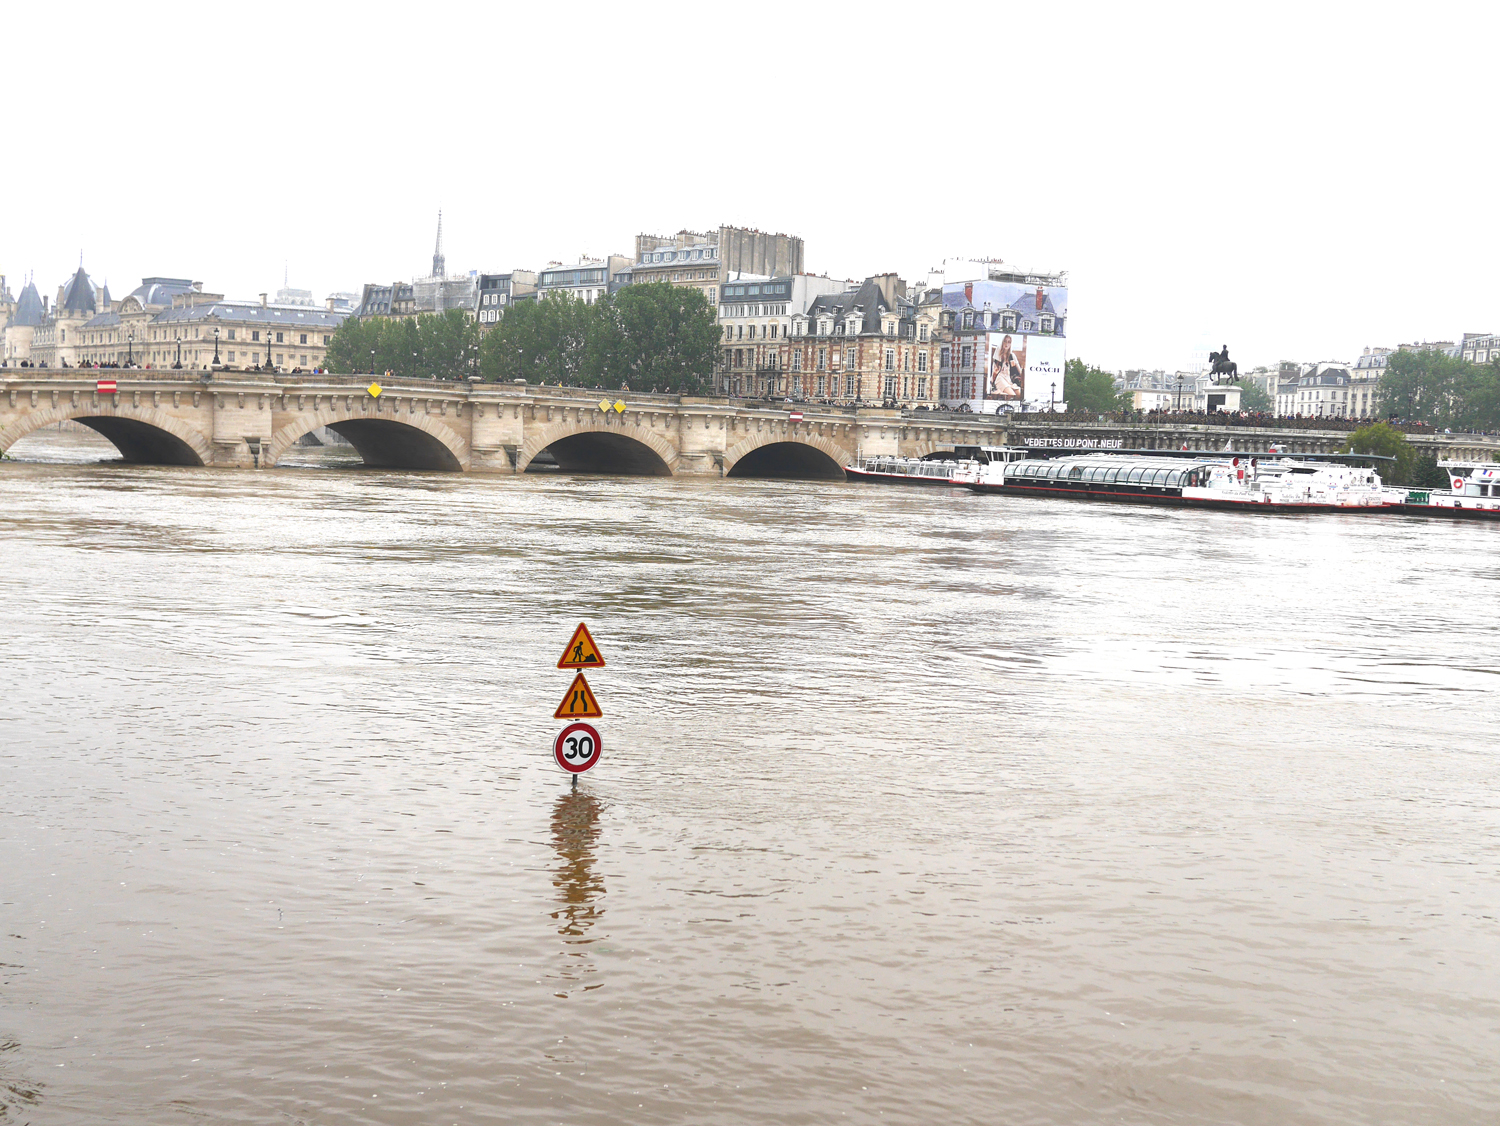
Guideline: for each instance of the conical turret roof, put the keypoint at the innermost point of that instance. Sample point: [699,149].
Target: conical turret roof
[28,307]
[78,296]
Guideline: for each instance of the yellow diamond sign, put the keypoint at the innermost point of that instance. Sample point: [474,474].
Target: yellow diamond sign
[604,405]
[374,390]
[619,406]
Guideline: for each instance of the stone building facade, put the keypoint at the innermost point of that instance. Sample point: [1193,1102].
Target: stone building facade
[755,319]
[871,343]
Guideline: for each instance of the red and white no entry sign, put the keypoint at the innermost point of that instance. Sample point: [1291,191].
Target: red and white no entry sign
[577,747]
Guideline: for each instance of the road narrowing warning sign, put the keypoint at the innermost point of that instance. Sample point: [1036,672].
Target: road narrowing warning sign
[581,652]
[579,703]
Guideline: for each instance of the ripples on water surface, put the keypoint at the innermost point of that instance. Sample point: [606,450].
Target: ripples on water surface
[915,806]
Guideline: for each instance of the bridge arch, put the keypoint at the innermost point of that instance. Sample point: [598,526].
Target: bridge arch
[784,455]
[384,441]
[143,435]
[588,446]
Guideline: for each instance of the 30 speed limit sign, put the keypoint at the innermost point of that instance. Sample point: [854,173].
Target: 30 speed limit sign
[577,747]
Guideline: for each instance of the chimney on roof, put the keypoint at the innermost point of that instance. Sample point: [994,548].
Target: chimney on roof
[330,304]
[197,287]
[262,300]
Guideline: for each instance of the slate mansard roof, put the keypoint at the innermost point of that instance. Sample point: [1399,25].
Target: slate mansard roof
[288,316]
[867,302]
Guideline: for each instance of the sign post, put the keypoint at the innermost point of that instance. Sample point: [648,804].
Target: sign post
[578,746]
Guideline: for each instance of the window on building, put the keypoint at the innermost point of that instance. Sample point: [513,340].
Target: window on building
[739,357]
[890,359]
[303,341]
[231,334]
[797,359]
[921,387]
[890,387]
[822,389]
[921,361]
[279,340]
[254,334]
[966,357]
[921,332]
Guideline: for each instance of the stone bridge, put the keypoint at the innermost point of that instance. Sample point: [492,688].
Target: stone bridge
[245,420]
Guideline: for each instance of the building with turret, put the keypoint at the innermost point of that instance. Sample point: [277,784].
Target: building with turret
[21,325]
[54,343]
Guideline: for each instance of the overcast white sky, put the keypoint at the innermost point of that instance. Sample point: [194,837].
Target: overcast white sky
[1296,180]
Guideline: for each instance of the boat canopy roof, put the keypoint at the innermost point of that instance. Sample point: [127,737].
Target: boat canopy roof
[1132,461]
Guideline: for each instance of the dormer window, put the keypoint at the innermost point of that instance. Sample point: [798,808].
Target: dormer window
[969,318]
[1046,323]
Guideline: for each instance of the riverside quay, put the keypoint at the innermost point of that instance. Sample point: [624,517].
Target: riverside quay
[248,422]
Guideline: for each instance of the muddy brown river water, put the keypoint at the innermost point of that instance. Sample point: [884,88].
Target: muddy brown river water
[915,806]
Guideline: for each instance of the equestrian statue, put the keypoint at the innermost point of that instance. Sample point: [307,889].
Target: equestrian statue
[1224,366]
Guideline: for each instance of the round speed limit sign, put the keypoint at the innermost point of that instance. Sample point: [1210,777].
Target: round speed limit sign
[577,747]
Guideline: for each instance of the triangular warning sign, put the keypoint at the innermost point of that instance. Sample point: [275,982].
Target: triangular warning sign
[579,703]
[581,652]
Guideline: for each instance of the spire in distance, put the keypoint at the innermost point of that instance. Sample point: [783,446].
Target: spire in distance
[439,264]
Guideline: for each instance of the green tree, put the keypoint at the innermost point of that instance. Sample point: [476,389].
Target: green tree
[1087,388]
[1384,439]
[655,337]
[354,346]
[427,346]
[541,341]
[1421,385]
[1253,397]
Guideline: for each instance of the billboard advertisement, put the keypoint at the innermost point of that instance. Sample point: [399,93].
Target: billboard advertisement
[1012,337]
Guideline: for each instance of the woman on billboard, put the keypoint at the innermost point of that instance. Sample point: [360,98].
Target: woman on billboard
[1007,371]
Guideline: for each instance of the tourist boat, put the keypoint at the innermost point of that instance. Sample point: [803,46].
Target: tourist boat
[959,466]
[1475,493]
[1280,485]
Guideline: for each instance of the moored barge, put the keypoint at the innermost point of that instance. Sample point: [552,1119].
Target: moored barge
[1237,483]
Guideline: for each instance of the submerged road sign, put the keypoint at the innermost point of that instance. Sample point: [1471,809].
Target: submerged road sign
[577,747]
[579,703]
[581,652]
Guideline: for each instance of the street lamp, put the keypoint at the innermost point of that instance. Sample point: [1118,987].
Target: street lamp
[1179,392]
[130,349]
[372,361]
[268,353]
[216,345]
[1052,406]
[178,364]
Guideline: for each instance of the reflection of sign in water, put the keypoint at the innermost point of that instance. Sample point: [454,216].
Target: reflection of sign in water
[577,747]
[575,837]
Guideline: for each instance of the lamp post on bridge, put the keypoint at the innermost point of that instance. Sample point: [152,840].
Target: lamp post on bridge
[1052,406]
[268,353]
[1179,393]
[216,345]
[178,364]
[130,349]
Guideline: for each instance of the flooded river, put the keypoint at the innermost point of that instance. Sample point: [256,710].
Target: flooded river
[914,807]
